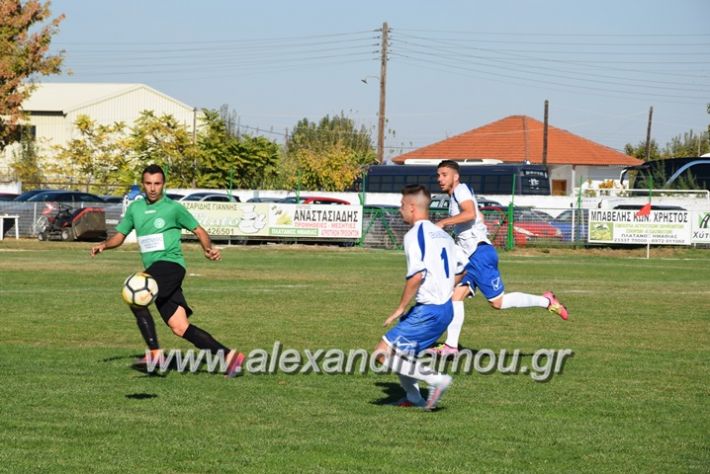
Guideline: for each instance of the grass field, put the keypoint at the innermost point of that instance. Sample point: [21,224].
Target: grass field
[633,398]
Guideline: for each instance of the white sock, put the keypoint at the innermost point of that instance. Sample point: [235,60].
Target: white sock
[413,369]
[453,332]
[523,300]
[411,386]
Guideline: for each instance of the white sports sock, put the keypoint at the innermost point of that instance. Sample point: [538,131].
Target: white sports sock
[523,300]
[411,386]
[453,332]
[413,369]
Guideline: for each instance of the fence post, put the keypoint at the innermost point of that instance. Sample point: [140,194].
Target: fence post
[510,244]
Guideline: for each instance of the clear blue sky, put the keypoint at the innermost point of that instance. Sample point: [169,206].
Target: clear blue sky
[454,65]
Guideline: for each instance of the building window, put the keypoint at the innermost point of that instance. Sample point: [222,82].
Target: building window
[559,187]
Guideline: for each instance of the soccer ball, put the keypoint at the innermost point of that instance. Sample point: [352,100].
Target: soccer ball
[139,289]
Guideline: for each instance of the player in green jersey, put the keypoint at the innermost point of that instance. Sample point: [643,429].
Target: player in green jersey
[158,222]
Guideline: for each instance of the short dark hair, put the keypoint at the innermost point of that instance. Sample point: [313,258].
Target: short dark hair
[413,189]
[448,164]
[153,169]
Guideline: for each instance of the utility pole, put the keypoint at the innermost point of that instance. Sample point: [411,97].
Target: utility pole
[194,142]
[544,136]
[648,134]
[383,82]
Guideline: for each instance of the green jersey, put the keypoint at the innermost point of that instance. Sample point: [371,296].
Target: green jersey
[158,227]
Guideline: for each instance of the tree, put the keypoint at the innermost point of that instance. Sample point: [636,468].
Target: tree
[26,164]
[164,141]
[687,144]
[328,155]
[97,156]
[226,159]
[329,132]
[23,55]
[332,169]
[639,151]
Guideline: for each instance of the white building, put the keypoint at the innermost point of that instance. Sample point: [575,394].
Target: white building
[53,108]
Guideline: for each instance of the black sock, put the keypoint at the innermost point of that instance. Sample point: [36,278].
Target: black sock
[203,340]
[147,327]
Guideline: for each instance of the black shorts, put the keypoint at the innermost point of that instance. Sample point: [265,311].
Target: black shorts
[169,276]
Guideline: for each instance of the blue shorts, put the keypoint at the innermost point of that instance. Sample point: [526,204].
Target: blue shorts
[482,272]
[420,327]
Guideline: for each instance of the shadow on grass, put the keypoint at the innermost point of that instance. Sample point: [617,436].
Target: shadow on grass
[393,392]
[141,396]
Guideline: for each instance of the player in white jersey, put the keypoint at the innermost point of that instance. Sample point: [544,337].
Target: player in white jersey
[479,257]
[430,282]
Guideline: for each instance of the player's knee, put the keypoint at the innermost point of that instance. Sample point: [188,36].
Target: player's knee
[381,352]
[496,303]
[178,327]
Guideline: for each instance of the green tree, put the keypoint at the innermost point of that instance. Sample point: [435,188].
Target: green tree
[164,141]
[327,155]
[97,156]
[639,151]
[24,44]
[330,131]
[332,169]
[26,164]
[687,144]
[247,162]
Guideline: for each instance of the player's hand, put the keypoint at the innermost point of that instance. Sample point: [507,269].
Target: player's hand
[440,224]
[394,316]
[97,249]
[213,253]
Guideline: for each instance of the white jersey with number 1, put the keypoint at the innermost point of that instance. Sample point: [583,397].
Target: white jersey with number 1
[468,234]
[431,250]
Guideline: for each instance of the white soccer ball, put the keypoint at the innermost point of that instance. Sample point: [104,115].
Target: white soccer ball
[139,289]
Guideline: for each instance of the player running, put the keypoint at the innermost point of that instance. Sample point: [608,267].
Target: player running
[480,258]
[158,221]
[430,281]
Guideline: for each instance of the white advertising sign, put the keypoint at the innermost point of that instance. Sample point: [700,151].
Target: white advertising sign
[627,227]
[278,220]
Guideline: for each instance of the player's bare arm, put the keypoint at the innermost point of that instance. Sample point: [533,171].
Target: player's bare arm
[211,253]
[114,241]
[410,289]
[467,214]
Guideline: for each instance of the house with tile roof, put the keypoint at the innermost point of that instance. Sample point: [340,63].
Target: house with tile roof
[572,160]
[53,108]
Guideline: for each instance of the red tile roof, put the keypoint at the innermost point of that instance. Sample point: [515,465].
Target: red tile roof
[518,138]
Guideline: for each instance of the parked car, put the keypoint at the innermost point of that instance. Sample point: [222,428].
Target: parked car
[8,196]
[314,200]
[175,196]
[264,199]
[28,194]
[210,197]
[485,202]
[64,196]
[564,223]
[528,226]
[112,199]
[654,207]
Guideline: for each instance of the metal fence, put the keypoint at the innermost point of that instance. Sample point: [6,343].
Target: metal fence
[383,227]
[523,227]
[32,215]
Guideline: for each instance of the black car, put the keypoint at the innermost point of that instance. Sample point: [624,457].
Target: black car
[64,196]
[28,194]
[8,196]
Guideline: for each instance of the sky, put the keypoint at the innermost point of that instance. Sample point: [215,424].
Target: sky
[452,65]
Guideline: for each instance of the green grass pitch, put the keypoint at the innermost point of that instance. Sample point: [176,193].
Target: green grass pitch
[633,398]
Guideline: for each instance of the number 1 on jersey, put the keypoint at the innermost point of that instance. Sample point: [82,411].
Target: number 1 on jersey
[445,258]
